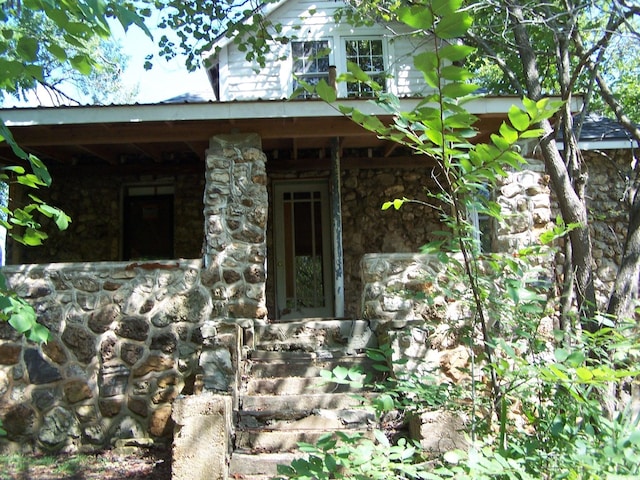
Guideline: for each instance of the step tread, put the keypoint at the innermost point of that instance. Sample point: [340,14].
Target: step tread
[294,386]
[314,420]
[287,440]
[259,465]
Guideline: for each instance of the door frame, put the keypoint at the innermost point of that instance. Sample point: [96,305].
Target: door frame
[293,186]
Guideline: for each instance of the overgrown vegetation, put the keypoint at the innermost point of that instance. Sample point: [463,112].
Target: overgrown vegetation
[540,403]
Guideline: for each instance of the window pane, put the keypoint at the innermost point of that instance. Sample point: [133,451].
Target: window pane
[310,63]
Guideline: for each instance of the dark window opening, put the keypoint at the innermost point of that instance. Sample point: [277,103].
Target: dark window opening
[148,223]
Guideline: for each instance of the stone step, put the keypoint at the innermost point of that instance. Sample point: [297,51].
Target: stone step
[247,465]
[283,441]
[286,404]
[311,335]
[293,386]
[300,420]
[293,364]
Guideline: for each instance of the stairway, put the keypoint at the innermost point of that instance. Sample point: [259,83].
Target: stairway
[280,400]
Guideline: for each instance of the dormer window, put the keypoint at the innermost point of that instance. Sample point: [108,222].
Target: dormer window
[310,63]
[368,54]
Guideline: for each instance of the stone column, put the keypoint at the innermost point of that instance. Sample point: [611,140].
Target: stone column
[201,444]
[235,211]
[525,199]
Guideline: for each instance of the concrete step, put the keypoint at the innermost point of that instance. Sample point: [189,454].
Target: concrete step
[301,420]
[285,404]
[293,386]
[311,335]
[247,465]
[295,364]
[282,441]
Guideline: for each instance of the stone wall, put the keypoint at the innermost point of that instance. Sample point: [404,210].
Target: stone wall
[608,208]
[94,204]
[128,338]
[525,201]
[418,309]
[126,341]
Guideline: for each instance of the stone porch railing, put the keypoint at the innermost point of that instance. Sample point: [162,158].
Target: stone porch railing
[126,340]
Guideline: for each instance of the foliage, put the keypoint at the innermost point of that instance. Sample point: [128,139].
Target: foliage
[535,400]
[199,24]
[97,77]
[39,38]
[617,52]
[30,33]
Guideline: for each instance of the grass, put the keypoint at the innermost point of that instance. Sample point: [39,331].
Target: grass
[28,466]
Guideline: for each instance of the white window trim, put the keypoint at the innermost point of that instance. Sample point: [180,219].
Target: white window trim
[342,67]
[332,57]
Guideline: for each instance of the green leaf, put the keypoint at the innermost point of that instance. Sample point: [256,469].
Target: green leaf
[457,90]
[455,52]
[427,63]
[575,359]
[39,333]
[28,48]
[584,374]
[22,321]
[8,137]
[40,170]
[57,51]
[340,372]
[455,73]
[452,457]
[358,74]
[561,354]
[417,17]
[326,92]
[518,118]
[508,133]
[454,25]
[385,402]
[81,63]
[33,237]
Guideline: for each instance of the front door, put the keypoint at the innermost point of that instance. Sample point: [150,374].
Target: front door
[304,287]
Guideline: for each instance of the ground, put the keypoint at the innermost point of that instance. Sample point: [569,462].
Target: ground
[154,464]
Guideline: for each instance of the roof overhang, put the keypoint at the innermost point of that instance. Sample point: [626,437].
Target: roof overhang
[168,135]
[168,112]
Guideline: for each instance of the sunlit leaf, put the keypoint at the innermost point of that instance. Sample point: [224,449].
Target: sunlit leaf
[454,25]
[416,16]
[326,92]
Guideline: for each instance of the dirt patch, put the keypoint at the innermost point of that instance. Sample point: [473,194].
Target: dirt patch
[153,463]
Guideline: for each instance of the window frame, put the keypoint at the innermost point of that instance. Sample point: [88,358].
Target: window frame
[318,74]
[344,87]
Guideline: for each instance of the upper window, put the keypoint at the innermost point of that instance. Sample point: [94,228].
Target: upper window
[310,63]
[368,55]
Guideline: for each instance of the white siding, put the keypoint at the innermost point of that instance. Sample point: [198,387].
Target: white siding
[242,80]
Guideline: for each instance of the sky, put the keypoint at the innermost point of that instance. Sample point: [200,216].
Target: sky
[165,79]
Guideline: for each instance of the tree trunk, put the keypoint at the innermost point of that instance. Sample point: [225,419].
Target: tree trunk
[623,297]
[573,209]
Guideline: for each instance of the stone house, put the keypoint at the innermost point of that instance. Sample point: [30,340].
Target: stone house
[195,222]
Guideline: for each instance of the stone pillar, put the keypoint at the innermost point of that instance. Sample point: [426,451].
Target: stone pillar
[201,443]
[525,199]
[235,212]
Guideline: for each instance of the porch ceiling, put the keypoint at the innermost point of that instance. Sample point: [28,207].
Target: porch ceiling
[168,140]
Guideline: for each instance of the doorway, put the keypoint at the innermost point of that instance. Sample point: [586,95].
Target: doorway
[303,259]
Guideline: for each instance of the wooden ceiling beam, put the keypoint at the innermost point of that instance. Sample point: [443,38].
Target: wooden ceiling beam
[185,131]
[413,161]
[104,153]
